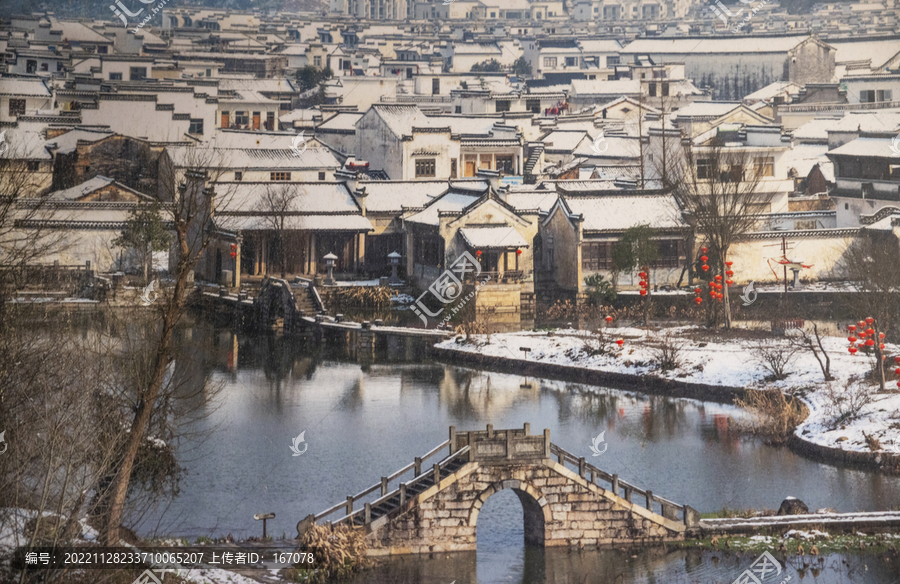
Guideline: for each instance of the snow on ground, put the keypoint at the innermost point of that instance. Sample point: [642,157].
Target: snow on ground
[728,363]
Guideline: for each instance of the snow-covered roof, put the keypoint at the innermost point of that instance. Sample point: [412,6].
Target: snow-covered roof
[391,196]
[402,118]
[879,51]
[86,188]
[582,87]
[309,197]
[880,147]
[723,44]
[451,201]
[706,109]
[599,45]
[532,199]
[492,237]
[342,121]
[254,158]
[75,31]
[275,85]
[354,223]
[619,212]
[785,88]
[66,143]
[803,157]
[566,140]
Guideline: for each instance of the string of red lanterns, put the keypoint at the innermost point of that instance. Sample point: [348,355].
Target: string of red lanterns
[704,258]
[234,250]
[865,333]
[644,283]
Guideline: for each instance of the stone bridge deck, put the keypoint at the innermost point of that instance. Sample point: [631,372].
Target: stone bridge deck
[437,509]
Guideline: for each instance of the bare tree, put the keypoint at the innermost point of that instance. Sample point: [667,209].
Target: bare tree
[24,208]
[277,204]
[191,214]
[718,188]
[868,263]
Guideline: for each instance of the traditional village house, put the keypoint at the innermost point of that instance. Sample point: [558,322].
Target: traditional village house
[578,233]
[88,217]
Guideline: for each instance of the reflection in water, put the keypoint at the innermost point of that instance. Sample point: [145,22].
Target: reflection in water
[364,422]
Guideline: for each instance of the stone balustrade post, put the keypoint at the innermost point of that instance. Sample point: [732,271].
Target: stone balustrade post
[384,486]
[437,473]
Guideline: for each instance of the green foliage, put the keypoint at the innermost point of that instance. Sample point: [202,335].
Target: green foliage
[636,248]
[145,232]
[491,66]
[521,67]
[309,77]
[601,290]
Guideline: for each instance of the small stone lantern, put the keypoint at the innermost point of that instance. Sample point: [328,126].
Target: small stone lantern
[329,264]
[394,257]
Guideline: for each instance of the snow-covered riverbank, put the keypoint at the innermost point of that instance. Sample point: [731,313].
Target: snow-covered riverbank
[842,412]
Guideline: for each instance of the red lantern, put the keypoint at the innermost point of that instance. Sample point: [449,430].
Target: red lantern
[897,370]
[698,300]
[643,292]
[729,272]
[880,335]
[881,346]
[620,342]
[729,282]
[729,264]
[861,324]
[704,268]
[697,290]
[852,339]
[718,277]
[852,350]
[642,284]
[642,275]
[898,384]
[870,320]
[870,331]
[851,327]
[703,258]
[704,249]
[478,253]
[518,252]
[897,360]
[870,343]
[609,318]
[862,334]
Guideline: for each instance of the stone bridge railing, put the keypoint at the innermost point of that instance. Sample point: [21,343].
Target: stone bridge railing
[488,448]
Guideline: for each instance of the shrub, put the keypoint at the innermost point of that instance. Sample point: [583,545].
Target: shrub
[845,405]
[667,352]
[601,289]
[776,357]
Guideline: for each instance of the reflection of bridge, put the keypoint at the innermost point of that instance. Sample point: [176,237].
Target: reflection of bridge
[437,509]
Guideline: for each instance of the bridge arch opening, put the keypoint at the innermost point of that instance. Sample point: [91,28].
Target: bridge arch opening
[535,511]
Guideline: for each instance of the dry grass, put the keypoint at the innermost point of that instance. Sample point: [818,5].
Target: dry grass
[339,553]
[775,414]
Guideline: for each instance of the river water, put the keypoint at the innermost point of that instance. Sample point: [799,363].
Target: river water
[361,422]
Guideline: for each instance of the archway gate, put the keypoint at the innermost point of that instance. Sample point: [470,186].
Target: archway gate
[566,501]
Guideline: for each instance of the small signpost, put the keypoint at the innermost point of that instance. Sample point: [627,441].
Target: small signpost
[525,385]
[264,517]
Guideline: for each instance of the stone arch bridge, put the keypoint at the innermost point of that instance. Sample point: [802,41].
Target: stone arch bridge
[565,500]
